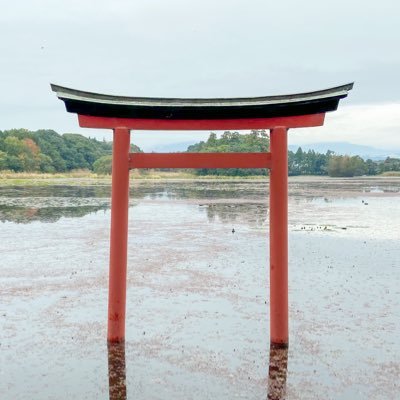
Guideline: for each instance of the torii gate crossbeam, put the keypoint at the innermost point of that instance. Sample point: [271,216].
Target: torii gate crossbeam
[276,113]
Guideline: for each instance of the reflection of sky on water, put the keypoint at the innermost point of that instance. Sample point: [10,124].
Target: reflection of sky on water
[382,189]
[44,214]
[339,206]
[374,216]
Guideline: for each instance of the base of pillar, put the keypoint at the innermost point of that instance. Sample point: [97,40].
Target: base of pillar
[115,340]
[274,345]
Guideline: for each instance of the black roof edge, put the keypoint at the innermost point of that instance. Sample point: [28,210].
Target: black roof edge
[73,94]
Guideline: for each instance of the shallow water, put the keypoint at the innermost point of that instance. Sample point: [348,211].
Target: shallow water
[198,306]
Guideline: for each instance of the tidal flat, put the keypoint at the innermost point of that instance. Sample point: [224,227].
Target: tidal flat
[198,292]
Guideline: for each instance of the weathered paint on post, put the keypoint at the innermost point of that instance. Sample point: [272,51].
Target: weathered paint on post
[278,195]
[119,235]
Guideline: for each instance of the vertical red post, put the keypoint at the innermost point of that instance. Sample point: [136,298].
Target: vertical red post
[119,235]
[279,324]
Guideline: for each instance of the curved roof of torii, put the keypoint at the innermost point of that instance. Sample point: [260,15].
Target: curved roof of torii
[102,105]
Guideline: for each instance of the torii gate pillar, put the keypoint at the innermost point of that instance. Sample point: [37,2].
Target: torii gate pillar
[277,113]
[118,235]
[278,238]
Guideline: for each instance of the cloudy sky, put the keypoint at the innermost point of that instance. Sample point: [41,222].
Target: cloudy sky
[203,48]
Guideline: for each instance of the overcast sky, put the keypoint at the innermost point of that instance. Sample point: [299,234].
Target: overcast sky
[205,48]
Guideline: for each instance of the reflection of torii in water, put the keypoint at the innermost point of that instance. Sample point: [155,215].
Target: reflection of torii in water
[116,371]
[277,372]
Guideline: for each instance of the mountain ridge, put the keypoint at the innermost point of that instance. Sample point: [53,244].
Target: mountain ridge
[351,149]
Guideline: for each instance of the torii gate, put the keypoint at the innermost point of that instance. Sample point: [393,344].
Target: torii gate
[276,113]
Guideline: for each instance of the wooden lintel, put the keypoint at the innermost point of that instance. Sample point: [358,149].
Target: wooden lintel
[298,121]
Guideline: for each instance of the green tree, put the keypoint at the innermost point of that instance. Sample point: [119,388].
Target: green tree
[255,141]
[308,163]
[3,160]
[53,146]
[372,167]
[102,165]
[346,166]
[22,154]
[390,164]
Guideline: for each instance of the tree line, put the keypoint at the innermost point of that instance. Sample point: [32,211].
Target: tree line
[22,150]
[331,164]
[299,163]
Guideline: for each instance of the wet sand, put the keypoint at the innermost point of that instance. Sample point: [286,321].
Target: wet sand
[198,306]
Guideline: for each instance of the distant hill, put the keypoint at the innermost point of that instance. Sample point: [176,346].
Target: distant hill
[171,147]
[345,148]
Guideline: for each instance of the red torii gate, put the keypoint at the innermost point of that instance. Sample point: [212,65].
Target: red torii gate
[276,113]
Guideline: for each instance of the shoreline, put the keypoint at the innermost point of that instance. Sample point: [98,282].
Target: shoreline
[84,178]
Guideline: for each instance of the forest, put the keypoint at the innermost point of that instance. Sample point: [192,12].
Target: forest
[22,150]
[299,162]
[47,151]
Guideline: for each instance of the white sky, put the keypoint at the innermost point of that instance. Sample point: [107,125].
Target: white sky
[203,48]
